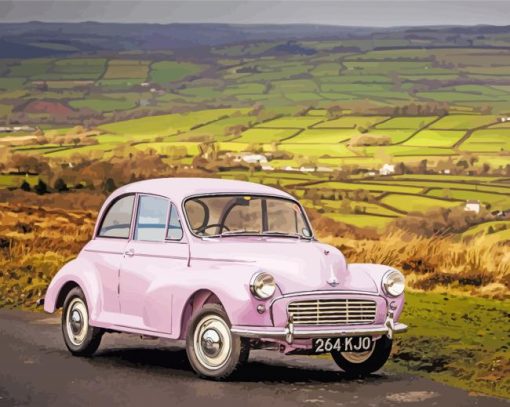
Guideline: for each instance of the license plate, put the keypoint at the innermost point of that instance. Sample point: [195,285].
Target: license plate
[343,344]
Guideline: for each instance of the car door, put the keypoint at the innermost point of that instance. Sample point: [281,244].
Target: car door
[153,259]
[106,251]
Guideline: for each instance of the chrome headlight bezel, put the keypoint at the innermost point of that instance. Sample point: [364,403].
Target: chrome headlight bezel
[262,286]
[393,283]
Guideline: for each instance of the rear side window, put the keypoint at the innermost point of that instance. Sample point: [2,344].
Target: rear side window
[117,221]
[151,219]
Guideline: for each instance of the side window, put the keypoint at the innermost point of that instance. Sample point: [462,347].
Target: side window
[174,231]
[151,218]
[117,221]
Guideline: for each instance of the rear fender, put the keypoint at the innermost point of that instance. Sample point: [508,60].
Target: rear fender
[80,273]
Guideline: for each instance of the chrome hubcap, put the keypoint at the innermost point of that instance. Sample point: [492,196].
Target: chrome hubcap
[212,342]
[77,321]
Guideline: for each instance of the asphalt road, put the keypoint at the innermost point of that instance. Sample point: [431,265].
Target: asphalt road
[37,370]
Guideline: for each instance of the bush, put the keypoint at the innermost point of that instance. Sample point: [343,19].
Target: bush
[25,186]
[109,186]
[60,185]
[41,188]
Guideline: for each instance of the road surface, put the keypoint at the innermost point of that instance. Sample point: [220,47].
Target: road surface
[37,370]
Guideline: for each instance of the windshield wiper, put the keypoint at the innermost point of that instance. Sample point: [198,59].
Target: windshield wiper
[236,233]
[285,234]
[240,232]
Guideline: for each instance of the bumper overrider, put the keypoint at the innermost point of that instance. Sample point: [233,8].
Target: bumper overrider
[291,332]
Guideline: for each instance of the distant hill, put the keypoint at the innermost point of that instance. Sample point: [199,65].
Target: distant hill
[33,39]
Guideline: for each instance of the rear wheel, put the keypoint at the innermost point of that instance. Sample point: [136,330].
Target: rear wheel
[364,363]
[80,338]
[213,351]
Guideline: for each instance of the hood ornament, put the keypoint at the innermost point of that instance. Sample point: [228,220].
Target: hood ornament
[332,280]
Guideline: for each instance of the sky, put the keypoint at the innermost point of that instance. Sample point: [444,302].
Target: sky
[373,13]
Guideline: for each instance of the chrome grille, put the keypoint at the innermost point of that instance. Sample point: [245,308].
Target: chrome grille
[332,312]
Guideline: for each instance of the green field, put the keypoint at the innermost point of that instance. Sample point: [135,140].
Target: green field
[435,138]
[351,122]
[361,221]
[170,71]
[463,122]
[297,122]
[102,105]
[496,201]
[264,135]
[493,227]
[416,203]
[490,140]
[122,69]
[323,136]
[406,122]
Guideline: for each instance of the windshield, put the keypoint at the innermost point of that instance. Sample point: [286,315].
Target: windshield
[234,215]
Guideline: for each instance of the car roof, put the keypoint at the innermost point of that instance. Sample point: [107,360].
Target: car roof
[178,189]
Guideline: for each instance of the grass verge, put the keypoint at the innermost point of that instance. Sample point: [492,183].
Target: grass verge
[458,340]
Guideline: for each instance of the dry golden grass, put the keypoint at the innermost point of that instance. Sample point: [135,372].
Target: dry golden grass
[479,266]
[35,242]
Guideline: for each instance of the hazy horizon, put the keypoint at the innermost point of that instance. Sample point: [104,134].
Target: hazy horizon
[346,13]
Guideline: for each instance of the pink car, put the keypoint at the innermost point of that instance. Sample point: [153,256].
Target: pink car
[228,266]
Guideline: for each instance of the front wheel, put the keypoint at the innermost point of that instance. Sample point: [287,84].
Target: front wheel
[213,351]
[80,338]
[364,363]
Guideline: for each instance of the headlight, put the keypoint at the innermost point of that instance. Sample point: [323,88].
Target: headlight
[393,283]
[262,286]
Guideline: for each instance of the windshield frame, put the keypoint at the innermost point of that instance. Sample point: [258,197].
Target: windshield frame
[272,196]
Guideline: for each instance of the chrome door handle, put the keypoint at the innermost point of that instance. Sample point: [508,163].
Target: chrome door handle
[130,252]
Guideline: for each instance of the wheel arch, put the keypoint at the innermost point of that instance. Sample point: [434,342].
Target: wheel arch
[64,291]
[195,302]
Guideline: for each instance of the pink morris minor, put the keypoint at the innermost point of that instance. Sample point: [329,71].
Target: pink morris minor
[228,266]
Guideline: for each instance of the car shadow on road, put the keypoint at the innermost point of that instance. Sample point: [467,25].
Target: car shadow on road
[165,361]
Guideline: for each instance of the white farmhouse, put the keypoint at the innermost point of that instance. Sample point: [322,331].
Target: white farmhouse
[472,206]
[254,158]
[387,169]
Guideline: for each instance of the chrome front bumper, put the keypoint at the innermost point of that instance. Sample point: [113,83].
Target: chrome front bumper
[290,332]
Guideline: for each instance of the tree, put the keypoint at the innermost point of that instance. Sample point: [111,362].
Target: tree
[25,186]
[60,185]
[109,186]
[422,168]
[41,188]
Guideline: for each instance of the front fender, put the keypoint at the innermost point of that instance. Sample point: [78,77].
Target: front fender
[376,272]
[79,272]
[231,284]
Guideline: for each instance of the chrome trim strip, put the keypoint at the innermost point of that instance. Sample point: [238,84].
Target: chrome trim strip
[102,251]
[280,333]
[160,256]
[329,292]
[222,260]
[326,292]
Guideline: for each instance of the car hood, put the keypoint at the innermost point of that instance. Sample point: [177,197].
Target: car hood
[296,265]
